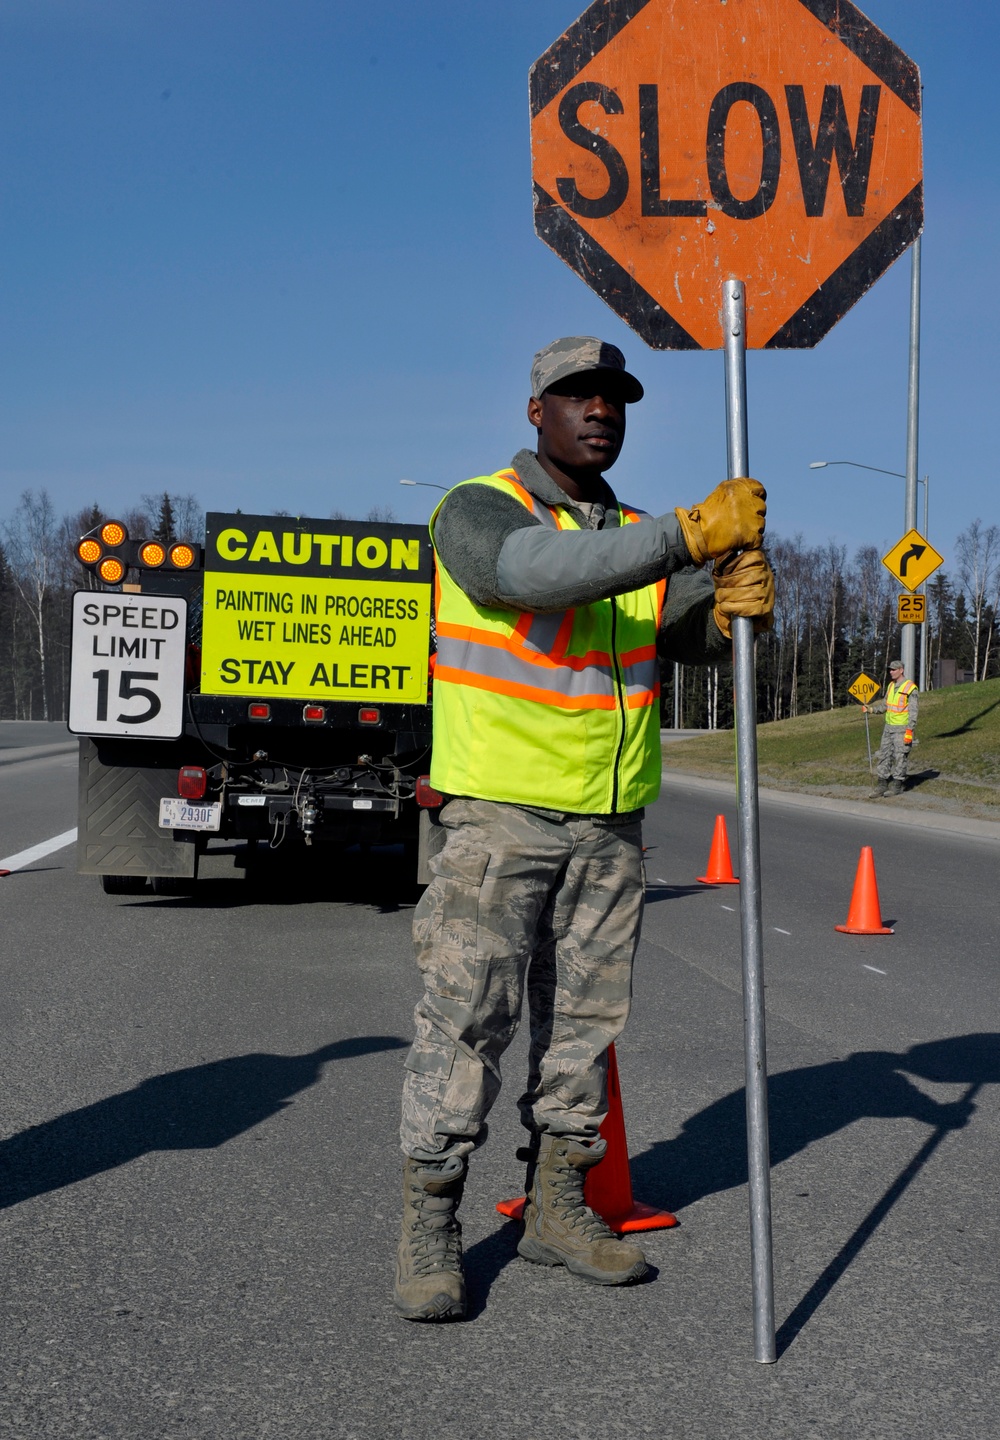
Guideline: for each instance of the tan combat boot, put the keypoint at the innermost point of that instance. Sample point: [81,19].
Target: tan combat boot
[429,1280]
[559,1229]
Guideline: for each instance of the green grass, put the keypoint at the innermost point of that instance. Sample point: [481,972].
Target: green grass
[955,766]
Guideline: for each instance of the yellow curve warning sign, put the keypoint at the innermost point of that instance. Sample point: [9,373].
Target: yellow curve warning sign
[316,610]
[863,688]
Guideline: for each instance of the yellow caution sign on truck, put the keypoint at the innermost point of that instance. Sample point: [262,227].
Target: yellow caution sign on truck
[316,610]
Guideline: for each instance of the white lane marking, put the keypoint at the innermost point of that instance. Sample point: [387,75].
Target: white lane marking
[782,932]
[730,908]
[660,881]
[875,970]
[38,852]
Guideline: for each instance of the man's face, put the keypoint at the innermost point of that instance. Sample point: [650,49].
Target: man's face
[895,672]
[581,421]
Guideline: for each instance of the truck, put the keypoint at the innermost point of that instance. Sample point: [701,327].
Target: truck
[268,684]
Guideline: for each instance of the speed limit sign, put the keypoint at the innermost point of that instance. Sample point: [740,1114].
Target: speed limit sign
[127,665]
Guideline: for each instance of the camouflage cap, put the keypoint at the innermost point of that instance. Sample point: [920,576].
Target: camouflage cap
[575,355]
[896,665]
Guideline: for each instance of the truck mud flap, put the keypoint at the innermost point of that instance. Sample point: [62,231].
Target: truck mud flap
[119,808]
[431,838]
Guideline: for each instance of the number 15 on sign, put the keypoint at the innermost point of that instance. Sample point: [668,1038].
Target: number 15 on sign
[127,665]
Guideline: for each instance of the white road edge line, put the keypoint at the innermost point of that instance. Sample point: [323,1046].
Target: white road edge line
[782,932]
[730,908]
[875,970]
[38,852]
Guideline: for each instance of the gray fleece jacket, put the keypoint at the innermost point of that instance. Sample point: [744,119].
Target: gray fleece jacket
[500,554]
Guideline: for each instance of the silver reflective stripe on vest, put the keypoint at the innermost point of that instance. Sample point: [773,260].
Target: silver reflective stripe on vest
[544,631]
[496,663]
[642,676]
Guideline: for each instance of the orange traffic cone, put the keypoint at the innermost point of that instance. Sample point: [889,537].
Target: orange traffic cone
[608,1187]
[865,914]
[720,865]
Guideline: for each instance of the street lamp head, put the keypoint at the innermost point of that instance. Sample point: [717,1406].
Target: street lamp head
[818,464]
[407,482]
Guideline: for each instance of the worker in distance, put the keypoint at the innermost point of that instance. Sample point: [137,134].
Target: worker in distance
[556,604]
[900,710]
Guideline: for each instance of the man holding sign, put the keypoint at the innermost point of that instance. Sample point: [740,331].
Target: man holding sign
[900,710]
[556,603]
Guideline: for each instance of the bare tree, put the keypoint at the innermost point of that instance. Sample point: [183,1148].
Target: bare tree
[978,551]
[32,541]
[788,559]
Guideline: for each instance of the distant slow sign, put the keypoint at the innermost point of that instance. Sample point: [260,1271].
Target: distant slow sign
[304,609]
[863,688]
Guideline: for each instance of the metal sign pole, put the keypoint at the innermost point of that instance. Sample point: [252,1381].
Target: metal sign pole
[758,1150]
[909,637]
[868,738]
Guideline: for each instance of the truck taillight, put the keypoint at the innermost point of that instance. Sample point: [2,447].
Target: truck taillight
[192,666]
[426,797]
[259,712]
[314,712]
[192,782]
[369,716]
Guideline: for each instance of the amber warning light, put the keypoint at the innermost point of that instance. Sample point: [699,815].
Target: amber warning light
[182,557]
[111,570]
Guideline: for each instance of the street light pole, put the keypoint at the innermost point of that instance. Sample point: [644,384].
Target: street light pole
[908,638]
[912,430]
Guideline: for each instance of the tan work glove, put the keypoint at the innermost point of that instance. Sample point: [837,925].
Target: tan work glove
[744,585]
[732,518]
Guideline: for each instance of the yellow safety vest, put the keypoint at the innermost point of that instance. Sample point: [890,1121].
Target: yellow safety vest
[897,702]
[557,710]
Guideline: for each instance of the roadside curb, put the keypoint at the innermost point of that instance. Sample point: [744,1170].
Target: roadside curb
[37,752]
[926,819]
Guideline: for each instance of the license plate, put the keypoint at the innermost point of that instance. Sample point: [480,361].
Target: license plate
[182,815]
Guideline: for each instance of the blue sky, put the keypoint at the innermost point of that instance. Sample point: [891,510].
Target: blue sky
[281,255]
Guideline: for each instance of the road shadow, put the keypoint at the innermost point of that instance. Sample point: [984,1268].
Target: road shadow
[806,1105]
[381,879]
[194,1109]
[656,893]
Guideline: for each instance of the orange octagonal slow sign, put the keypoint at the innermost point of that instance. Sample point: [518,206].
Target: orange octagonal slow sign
[680,143]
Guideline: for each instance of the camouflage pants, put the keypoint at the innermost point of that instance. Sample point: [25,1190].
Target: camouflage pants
[893,754]
[520,894]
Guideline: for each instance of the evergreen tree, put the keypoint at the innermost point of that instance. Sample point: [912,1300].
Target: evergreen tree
[165,531]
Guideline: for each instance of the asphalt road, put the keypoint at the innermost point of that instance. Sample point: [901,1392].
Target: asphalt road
[199,1174]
